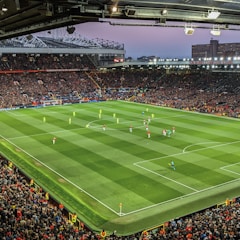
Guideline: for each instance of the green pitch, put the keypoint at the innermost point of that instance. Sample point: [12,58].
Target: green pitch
[119,180]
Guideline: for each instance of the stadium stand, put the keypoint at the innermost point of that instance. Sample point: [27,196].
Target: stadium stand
[203,91]
[26,210]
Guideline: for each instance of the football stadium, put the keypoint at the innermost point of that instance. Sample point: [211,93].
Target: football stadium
[122,179]
[93,147]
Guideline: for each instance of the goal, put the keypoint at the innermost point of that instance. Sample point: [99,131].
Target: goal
[51,102]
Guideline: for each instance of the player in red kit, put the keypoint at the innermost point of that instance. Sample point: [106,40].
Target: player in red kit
[148,134]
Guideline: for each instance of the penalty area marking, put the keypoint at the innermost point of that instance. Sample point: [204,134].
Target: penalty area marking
[181,153]
[222,168]
[227,166]
[138,210]
[170,179]
[196,144]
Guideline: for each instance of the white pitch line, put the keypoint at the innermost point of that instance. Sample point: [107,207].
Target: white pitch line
[177,154]
[181,110]
[146,169]
[215,146]
[129,121]
[196,144]
[181,197]
[117,213]
[230,165]
[225,168]
[46,133]
[181,153]
[81,189]
[15,114]
[230,171]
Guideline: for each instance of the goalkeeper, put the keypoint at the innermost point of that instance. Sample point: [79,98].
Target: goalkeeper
[172,165]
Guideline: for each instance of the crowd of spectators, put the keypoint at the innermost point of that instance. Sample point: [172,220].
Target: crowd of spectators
[28,80]
[220,223]
[28,89]
[24,82]
[203,91]
[26,213]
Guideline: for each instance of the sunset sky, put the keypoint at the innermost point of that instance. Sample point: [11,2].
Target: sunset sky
[165,42]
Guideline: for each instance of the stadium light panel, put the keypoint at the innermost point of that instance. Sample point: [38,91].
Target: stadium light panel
[213,14]
[4,8]
[189,30]
[215,31]
[164,12]
[114,9]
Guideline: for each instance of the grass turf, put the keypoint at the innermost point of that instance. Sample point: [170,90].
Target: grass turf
[94,172]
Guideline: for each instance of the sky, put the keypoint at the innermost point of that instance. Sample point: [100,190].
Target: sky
[163,42]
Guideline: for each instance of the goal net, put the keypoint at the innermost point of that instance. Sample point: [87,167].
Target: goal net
[51,102]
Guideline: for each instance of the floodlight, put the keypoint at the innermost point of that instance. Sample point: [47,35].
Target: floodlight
[164,12]
[215,31]
[213,14]
[114,9]
[4,8]
[189,31]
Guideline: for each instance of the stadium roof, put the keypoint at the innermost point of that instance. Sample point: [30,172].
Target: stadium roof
[21,17]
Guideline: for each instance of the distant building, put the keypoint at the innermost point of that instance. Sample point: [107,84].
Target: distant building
[214,49]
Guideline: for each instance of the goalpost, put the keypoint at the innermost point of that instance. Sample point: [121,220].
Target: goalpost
[51,102]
